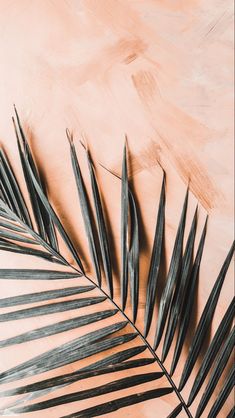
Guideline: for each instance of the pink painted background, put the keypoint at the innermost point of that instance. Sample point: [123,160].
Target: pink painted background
[159,71]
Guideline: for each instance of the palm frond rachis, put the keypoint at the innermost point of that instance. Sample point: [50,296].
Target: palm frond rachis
[137,361]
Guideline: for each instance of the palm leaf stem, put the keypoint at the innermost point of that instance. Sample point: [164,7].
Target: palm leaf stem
[178,394]
[153,353]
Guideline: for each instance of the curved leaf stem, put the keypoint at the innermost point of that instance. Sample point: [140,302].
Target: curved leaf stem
[178,394]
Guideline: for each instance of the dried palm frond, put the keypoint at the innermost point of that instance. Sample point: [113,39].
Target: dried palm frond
[33,232]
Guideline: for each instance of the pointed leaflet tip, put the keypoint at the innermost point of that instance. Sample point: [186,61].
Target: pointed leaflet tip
[23,139]
[15,128]
[176,411]
[84,146]
[43,220]
[126,141]
[55,218]
[69,136]
[83,141]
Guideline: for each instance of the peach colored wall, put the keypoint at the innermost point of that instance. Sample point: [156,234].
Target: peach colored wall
[159,71]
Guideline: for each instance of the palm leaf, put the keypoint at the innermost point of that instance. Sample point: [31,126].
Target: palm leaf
[14,236]
[219,366]
[30,274]
[11,226]
[117,404]
[64,354]
[42,296]
[180,289]
[56,220]
[231,413]
[80,375]
[57,327]
[16,248]
[17,234]
[171,277]
[86,213]
[50,308]
[124,231]
[187,302]
[43,211]
[103,236]
[155,261]
[114,386]
[133,256]
[176,411]
[212,351]
[13,190]
[43,219]
[8,214]
[23,148]
[131,250]
[205,320]
[4,194]
[226,390]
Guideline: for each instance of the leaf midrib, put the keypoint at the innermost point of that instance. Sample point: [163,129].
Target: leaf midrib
[153,353]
